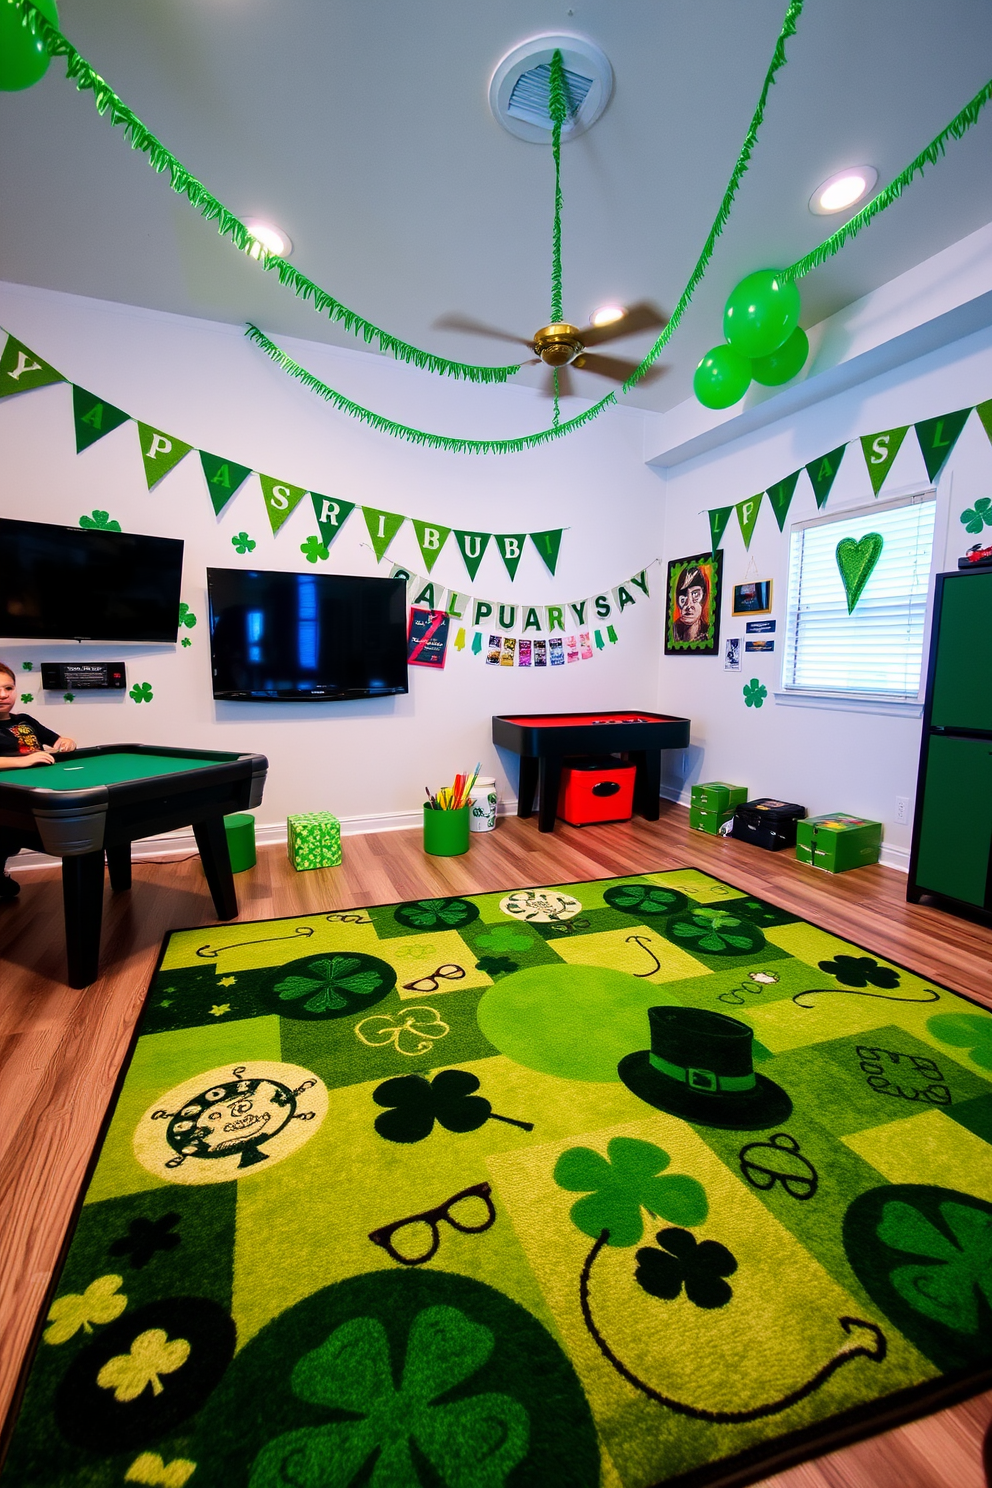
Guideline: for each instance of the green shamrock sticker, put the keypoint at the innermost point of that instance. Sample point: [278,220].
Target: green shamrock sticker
[141,692]
[313,549]
[27,697]
[617,1187]
[186,616]
[754,693]
[474,1441]
[334,986]
[243,543]
[715,931]
[101,521]
[971,1031]
[978,516]
[68,697]
[27,666]
[185,641]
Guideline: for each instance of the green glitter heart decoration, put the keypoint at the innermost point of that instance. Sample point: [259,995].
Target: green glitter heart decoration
[856,561]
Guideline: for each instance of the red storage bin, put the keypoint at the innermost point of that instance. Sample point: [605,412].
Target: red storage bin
[596,790]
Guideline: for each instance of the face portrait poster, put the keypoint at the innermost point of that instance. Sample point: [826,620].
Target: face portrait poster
[692,605]
[427,641]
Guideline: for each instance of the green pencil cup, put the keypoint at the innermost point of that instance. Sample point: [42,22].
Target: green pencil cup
[240,829]
[446,832]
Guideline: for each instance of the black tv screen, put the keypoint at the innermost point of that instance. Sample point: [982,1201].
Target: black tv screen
[305,637]
[71,583]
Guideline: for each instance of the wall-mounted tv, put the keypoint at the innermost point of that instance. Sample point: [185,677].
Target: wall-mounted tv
[76,584]
[305,637]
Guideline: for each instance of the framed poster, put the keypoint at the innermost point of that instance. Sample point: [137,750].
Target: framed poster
[754,598]
[692,605]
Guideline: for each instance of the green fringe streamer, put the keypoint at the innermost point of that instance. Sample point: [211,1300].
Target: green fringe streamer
[418,436]
[228,225]
[958,127]
[558,109]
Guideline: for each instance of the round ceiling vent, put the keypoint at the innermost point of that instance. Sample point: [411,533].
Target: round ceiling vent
[518,92]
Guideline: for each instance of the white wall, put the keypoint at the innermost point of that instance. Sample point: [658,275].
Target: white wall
[204,383]
[826,759]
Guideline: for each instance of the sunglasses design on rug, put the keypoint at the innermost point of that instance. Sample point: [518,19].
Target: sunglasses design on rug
[458,1217]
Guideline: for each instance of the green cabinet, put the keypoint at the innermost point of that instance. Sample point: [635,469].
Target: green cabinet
[956,824]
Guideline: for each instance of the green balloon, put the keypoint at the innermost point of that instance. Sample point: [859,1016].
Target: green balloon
[782,365]
[23,55]
[761,313]
[722,377]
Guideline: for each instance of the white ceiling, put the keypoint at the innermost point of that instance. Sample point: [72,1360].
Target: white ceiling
[363,129]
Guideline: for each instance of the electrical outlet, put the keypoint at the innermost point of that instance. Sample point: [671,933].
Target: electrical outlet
[902,808]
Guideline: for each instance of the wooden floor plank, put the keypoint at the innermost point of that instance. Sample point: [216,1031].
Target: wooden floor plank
[61,1050]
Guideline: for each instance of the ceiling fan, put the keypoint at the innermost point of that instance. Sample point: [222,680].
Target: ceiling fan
[563,346]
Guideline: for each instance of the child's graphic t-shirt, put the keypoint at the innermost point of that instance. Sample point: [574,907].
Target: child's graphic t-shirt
[22,734]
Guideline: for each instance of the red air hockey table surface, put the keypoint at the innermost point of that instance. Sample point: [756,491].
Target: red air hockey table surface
[543,740]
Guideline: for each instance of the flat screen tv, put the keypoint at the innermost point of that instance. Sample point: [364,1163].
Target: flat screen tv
[305,637]
[71,583]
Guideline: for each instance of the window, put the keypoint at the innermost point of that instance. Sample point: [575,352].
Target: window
[876,651]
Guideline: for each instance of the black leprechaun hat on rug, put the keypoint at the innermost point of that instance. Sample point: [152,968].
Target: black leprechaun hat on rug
[700,1067]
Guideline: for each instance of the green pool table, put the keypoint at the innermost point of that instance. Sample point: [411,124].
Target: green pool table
[89,806]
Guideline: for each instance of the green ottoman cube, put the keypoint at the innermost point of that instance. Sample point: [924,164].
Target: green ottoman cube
[313,840]
[717,795]
[240,829]
[837,842]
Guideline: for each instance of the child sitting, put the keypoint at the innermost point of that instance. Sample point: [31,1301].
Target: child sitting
[24,742]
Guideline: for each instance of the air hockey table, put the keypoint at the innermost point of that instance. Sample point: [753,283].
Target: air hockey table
[544,740]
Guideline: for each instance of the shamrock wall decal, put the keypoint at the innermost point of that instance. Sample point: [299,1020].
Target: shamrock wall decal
[978,516]
[101,521]
[186,616]
[415,1103]
[27,666]
[471,1442]
[243,543]
[27,697]
[141,692]
[68,697]
[754,693]
[313,549]
[617,1187]
[971,1031]
[145,1238]
[101,1302]
[682,1260]
[858,971]
[151,1355]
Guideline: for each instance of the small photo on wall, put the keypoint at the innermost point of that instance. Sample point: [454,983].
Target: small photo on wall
[754,598]
[692,605]
[732,654]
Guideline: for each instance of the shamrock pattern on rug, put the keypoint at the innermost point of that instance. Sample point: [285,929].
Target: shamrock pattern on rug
[145,1238]
[617,1187]
[860,971]
[334,986]
[101,1302]
[682,1261]
[436,914]
[645,899]
[718,932]
[415,1104]
[971,1031]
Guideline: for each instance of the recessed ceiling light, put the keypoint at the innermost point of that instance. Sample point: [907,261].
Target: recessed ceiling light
[607,314]
[268,239]
[843,190]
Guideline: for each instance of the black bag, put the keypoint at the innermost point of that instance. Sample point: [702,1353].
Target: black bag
[767,823]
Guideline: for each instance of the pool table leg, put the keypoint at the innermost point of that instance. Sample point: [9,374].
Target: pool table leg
[647,782]
[211,840]
[527,785]
[119,864]
[550,780]
[82,899]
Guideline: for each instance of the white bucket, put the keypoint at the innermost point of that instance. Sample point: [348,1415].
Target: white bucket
[483,801]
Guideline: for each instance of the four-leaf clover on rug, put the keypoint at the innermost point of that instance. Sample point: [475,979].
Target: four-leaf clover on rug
[145,1238]
[436,914]
[682,1260]
[859,971]
[415,1103]
[332,986]
[645,899]
[754,693]
[472,1442]
[617,1187]
[715,931]
[949,1274]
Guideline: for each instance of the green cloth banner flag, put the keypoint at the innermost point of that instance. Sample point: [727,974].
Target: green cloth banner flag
[880,450]
[511,547]
[160,452]
[431,538]
[821,474]
[280,499]
[93,418]
[747,515]
[223,477]
[548,544]
[473,546]
[383,527]
[780,497]
[719,518]
[984,411]
[937,437]
[331,514]
[21,371]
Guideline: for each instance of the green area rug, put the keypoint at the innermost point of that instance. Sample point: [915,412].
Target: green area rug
[630,1182]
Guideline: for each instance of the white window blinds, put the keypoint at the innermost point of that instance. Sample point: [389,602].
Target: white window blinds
[877,650]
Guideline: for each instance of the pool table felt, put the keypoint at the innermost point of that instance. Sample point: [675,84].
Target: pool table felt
[71,772]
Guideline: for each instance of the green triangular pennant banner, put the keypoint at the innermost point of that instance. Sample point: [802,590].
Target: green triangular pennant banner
[223,478]
[21,371]
[821,473]
[780,497]
[331,513]
[719,518]
[880,450]
[383,527]
[93,418]
[431,538]
[280,499]
[984,411]
[160,452]
[747,515]
[937,437]
[473,547]
[547,544]
[511,547]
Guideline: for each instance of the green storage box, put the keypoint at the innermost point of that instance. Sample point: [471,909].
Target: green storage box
[837,842]
[314,840]
[711,821]
[717,795]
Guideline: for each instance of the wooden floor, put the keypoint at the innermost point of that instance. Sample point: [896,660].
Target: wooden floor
[61,1050]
